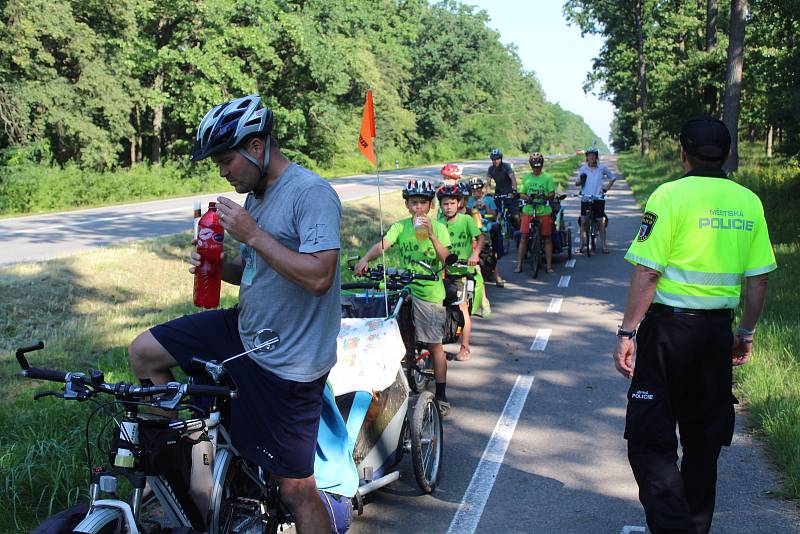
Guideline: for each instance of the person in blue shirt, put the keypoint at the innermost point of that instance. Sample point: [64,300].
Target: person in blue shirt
[485,204]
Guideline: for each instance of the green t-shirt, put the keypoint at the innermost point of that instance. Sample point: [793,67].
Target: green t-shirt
[703,234]
[463,231]
[402,235]
[537,185]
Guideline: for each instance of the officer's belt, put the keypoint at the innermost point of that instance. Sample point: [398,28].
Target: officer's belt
[663,308]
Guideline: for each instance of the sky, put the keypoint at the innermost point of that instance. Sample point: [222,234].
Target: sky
[555,51]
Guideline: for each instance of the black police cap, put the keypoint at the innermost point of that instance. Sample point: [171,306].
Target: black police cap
[706,138]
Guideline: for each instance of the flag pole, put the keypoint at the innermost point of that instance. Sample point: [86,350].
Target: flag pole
[380,219]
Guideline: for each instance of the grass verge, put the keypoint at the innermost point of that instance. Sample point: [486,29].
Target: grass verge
[87,308]
[770,383]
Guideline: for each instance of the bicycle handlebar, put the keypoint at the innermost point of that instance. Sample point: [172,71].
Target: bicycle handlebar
[81,386]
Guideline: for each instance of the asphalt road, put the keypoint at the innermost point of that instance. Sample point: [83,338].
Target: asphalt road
[565,468]
[42,237]
[533,444]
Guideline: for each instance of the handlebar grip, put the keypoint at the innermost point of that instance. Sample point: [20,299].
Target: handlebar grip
[431,277]
[45,374]
[211,391]
[361,285]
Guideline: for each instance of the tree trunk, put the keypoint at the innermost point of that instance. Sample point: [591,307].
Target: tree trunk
[733,83]
[158,118]
[644,104]
[135,137]
[770,132]
[709,91]
[711,24]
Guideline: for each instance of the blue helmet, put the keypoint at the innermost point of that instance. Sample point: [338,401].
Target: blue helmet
[496,154]
[228,125]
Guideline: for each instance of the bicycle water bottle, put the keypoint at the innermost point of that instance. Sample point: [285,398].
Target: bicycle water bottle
[208,275]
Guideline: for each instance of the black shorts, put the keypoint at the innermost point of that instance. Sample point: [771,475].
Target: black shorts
[274,421]
[599,208]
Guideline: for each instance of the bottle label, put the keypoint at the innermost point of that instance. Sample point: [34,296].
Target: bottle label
[205,234]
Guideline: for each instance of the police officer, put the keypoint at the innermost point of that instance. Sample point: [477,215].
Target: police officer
[702,239]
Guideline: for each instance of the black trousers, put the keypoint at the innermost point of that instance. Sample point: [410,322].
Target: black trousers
[683,377]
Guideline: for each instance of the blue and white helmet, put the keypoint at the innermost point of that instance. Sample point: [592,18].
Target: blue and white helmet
[228,125]
[419,188]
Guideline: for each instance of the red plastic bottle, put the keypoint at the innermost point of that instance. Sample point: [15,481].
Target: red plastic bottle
[208,275]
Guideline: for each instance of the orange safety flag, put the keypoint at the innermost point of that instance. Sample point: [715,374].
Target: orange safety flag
[365,138]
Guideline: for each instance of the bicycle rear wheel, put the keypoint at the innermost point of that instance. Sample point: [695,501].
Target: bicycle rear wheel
[427,442]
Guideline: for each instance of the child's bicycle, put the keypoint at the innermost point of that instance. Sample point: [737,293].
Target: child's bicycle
[418,362]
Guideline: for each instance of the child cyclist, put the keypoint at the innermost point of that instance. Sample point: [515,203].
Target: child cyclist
[486,206]
[537,185]
[421,238]
[466,242]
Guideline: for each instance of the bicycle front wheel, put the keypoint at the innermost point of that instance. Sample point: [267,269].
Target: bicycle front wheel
[101,521]
[535,250]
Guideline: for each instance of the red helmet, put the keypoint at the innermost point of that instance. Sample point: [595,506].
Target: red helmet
[452,171]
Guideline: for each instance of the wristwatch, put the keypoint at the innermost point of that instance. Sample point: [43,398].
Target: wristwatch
[630,334]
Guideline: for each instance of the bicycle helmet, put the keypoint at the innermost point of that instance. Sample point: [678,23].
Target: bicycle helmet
[592,150]
[452,171]
[477,182]
[536,160]
[228,125]
[464,188]
[449,191]
[418,188]
[495,154]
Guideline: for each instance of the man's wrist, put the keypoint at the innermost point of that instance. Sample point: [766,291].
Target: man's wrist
[745,332]
[626,333]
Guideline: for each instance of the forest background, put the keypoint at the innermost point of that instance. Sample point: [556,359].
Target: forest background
[99,102]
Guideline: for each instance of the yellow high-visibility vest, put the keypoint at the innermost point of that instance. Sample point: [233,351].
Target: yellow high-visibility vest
[703,234]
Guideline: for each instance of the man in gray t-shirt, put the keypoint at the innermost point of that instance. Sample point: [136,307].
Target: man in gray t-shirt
[288,273]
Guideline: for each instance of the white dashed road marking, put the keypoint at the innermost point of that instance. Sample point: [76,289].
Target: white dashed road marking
[471,508]
[542,337]
[570,264]
[555,305]
[564,281]
[627,529]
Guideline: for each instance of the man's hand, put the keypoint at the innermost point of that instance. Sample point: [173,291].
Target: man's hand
[474,259]
[194,257]
[742,349]
[361,267]
[623,356]
[236,221]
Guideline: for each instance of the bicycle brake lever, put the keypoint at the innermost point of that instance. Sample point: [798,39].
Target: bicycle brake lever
[44,394]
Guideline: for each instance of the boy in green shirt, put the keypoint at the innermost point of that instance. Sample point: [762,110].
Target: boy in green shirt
[538,185]
[466,242]
[421,238]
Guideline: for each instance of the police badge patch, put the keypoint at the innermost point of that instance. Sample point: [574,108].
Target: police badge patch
[648,222]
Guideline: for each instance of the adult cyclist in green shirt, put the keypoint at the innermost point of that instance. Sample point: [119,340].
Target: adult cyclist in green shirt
[466,242]
[538,185]
[421,238]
